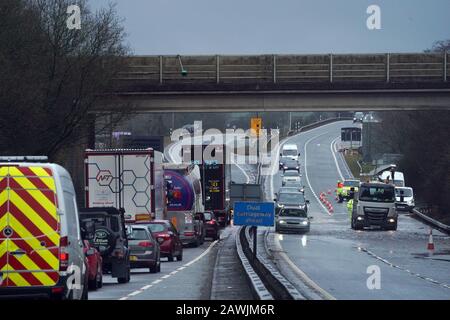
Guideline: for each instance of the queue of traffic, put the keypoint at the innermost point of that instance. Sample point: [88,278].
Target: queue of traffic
[137,211]
[291,206]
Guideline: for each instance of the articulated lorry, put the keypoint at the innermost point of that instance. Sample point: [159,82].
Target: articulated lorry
[184,202]
[215,177]
[127,179]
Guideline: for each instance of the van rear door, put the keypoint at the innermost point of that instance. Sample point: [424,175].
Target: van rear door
[29,227]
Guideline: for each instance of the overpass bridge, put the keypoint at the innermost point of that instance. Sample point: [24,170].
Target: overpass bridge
[282,83]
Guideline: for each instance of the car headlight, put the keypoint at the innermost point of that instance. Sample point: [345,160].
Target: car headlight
[285,167]
[297,167]
[280,205]
[281,222]
[305,223]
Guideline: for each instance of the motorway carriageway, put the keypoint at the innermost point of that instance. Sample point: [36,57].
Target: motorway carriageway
[190,279]
[335,257]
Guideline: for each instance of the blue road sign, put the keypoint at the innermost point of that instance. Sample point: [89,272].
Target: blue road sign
[254,214]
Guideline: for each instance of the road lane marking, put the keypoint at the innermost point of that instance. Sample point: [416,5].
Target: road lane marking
[335,159]
[173,272]
[146,287]
[417,275]
[204,253]
[306,171]
[303,277]
[135,293]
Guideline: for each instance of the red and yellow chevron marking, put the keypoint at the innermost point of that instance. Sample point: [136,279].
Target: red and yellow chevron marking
[28,206]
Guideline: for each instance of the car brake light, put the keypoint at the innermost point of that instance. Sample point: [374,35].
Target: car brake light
[164,235]
[145,244]
[211,221]
[189,233]
[63,254]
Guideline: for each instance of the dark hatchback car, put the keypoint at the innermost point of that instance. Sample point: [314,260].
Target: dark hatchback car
[290,164]
[291,199]
[144,249]
[168,238]
[211,225]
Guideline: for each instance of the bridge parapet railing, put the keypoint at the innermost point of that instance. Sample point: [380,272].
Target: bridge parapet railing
[286,69]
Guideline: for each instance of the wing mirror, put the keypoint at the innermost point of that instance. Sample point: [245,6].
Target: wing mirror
[307,201]
[310,218]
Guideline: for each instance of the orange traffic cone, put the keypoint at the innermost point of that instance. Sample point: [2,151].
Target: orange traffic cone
[430,241]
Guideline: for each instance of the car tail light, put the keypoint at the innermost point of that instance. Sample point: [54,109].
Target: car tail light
[145,244]
[213,221]
[63,254]
[57,290]
[189,233]
[164,235]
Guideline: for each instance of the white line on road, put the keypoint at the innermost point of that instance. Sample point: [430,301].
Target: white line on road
[202,255]
[335,159]
[135,293]
[306,170]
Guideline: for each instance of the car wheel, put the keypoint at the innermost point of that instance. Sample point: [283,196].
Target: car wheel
[125,279]
[100,280]
[154,268]
[180,256]
[85,294]
[170,257]
[93,284]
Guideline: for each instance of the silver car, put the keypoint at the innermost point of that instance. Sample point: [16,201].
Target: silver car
[291,176]
[144,249]
[292,219]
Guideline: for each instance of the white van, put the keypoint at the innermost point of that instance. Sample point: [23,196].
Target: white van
[404,199]
[398,181]
[290,151]
[41,248]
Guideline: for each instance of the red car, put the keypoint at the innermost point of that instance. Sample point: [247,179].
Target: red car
[168,237]
[211,225]
[95,266]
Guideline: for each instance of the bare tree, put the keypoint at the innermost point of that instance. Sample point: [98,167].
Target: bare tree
[53,75]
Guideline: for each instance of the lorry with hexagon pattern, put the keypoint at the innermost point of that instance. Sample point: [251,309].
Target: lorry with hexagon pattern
[128,179]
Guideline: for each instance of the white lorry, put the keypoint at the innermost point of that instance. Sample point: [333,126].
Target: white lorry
[128,179]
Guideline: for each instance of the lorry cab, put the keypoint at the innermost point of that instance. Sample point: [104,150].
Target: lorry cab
[374,205]
[290,151]
[41,249]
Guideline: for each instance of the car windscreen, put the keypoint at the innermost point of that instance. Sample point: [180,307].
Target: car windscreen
[294,197]
[377,194]
[157,227]
[289,152]
[138,234]
[291,173]
[403,192]
[293,213]
[351,183]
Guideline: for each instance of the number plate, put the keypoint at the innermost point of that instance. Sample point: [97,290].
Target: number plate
[133,258]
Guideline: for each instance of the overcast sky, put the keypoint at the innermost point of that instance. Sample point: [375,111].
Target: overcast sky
[280,26]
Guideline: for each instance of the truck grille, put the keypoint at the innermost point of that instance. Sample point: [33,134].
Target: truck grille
[375,215]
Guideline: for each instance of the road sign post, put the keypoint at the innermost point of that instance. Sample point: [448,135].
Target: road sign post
[254,214]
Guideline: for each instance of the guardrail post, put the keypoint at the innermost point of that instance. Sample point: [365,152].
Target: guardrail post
[217,69]
[388,67]
[331,67]
[445,65]
[160,69]
[274,69]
